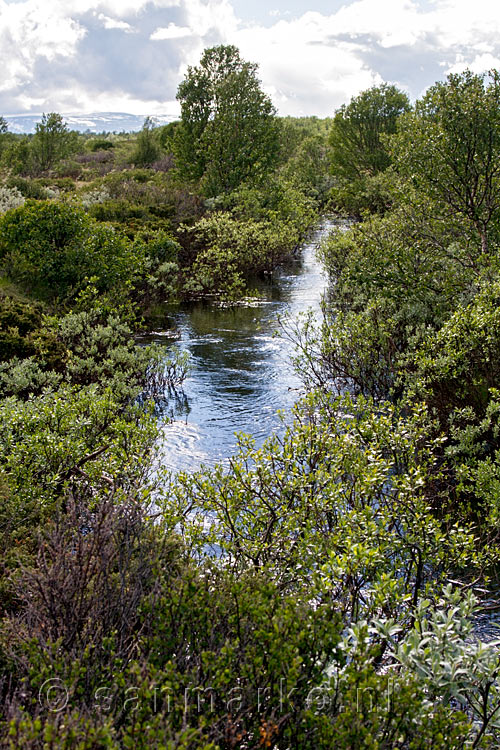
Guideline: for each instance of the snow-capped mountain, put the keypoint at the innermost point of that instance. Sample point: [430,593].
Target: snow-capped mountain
[96,122]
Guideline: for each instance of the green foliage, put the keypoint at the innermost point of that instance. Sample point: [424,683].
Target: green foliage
[85,348]
[147,150]
[53,248]
[413,309]
[280,201]
[61,445]
[308,168]
[228,133]
[139,199]
[294,130]
[233,249]
[151,648]
[358,147]
[161,267]
[10,197]
[391,287]
[166,135]
[456,366]
[356,137]
[28,188]
[372,192]
[52,142]
[17,320]
[47,440]
[339,506]
[6,138]
[17,156]
[449,148]
[452,664]
[101,144]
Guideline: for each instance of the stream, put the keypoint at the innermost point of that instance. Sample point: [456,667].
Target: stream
[241,372]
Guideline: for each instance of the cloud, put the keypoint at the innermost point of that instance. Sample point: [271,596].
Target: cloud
[81,55]
[170,32]
[314,63]
[130,55]
[114,23]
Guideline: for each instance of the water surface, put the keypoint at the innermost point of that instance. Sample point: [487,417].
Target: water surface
[241,371]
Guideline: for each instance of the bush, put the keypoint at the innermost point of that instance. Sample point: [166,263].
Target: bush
[100,144]
[96,157]
[52,248]
[230,250]
[10,198]
[86,348]
[17,321]
[68,168]
[457,366]
[147,149]
[28,188]
[315,559]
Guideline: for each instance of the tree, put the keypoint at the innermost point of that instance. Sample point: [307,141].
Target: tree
[147,150]
[449,149]
[228,132]
[5,136]
[356,135]
[52,141]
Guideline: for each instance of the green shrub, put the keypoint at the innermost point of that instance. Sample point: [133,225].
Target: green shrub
[456,366]
[100,144]
[52,248]
[17,320]
[28,188]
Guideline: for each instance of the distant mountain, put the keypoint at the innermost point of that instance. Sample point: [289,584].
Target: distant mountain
[94,123]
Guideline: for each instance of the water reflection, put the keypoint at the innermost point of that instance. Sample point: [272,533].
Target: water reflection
[241,374]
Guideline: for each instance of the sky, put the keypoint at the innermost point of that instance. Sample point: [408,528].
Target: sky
[83,56]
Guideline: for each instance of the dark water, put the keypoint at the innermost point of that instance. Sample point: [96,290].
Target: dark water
[241,372]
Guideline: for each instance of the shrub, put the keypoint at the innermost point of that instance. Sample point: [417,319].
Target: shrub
[68,168]
[96,157]
[53,248]
[17,320]
[10,198]
[93,197]
[28,188]
[100,144]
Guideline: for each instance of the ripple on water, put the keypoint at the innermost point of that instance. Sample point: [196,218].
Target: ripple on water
[241,374]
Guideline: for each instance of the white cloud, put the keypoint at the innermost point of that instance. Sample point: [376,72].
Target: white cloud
[113,23]
[211,17]
[117,8]
[303,75]
[170,32]
[59,55]
[479,64]
[314,63]
[28,33]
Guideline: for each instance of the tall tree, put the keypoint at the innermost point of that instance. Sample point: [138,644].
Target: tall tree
[357,147]
[52,141]
[449,149]
[228,132]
